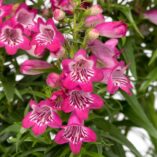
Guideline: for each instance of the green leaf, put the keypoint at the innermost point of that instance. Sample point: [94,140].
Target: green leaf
[152,76]
[153,58]
[18,94]
[129,55]
[8,84]
[114,134]
[12,128]
[141,118]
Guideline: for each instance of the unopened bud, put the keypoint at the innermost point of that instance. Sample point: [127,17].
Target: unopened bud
[93,34]
[96,9]
[58,14]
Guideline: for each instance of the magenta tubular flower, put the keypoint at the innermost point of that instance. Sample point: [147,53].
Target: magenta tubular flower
[115,79]
[80,71]
[75,133]
[12,38]
[92,21]
[57,99]
[104,52]
[41,116]
[53,80]
[116,29]
[151,15]
[111,44]
[34,67]
[25,17]
[81,102]
[47,37]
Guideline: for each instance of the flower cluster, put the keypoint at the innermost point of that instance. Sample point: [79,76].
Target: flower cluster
[77,73]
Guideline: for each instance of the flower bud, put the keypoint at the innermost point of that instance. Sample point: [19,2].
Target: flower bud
[92,21]
[96,9]
[151,15]
[116,29]
[34,67]
[93,34]
[53,80]
[58,14]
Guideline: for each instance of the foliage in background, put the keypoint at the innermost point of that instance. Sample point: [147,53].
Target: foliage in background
[138,109]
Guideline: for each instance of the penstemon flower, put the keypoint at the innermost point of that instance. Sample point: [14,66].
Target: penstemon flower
[25,17]
[41,116]
[74,79]
[80,71]
[12,38]
[106,52]
[115,79]
[81,103]
[47,37]
[75,133]
[57,99]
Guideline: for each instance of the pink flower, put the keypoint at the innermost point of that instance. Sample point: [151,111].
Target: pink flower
[5,10]
[92,21]
[111,44]
[105,52]
[151,15]
[53,80]
[65,5]
[34,67]
[41,116]
[81,102]
[80,71]
[47,37]
[25,16]
[75,133]
[115,79]
[116,29]
[12,38]
[57,99]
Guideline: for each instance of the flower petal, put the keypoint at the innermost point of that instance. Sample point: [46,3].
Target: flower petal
[59,138]
[73,120]
[56,123]
[26,123]
[91,135]
[75,148]
[87,87]
[82,114]
[38,130]
[68,83]
[98,102]
[66,106]
[26,44]
[11,50]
